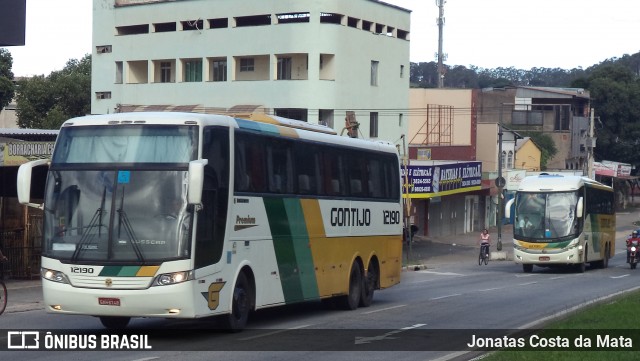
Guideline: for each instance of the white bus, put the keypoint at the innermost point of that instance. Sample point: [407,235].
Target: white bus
[182,215]
[562,220]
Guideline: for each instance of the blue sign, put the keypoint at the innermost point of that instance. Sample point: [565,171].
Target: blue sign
[441,179]
[124,176]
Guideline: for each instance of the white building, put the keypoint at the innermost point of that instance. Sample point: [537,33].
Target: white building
[309,60]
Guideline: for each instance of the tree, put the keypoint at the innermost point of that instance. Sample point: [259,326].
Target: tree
[7,88]
[46,102]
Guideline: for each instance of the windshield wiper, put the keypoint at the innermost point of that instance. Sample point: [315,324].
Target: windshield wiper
[124,220]
[88,236]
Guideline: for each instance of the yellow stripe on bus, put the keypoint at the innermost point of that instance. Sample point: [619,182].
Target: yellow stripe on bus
[333,256]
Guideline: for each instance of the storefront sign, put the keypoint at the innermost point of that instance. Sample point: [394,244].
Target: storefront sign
[16,152]
[428,181]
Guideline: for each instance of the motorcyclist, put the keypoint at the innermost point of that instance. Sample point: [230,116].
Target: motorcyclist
[633,238]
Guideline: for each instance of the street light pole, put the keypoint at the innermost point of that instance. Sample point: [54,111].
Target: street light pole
[500,182]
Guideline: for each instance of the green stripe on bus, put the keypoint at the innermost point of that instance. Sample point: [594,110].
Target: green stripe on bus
[283,246]
[120,271]
[302,249]
[295,264]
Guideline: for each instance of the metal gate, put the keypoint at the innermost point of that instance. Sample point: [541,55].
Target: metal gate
[23,249]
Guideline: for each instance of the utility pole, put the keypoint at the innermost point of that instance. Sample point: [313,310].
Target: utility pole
[591,143]
[441,56]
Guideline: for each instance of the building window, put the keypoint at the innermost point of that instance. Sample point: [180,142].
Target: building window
[373,125]
[219,70]
[103,95]
[193,70]
[284,68]
[401,71]
[119,72]
[246,64]
[103,49]
[400,116]
[510,160]
[374,73]
[165,71]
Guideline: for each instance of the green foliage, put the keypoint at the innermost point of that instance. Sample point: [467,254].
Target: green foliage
[546,144]
[7,89]
[46,102]
[615,95]
[425,75]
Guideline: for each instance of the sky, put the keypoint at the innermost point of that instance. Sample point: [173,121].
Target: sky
[524,34]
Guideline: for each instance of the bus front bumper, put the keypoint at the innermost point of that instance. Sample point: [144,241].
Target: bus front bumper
[536,257]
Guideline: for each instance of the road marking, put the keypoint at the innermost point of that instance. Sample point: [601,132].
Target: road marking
[447,296]
[273,333]
[364,340]
[527,275]
[491,289]
[615,277]
[383,309]
[527,284]
[442,273]
[558,277]
[147,358]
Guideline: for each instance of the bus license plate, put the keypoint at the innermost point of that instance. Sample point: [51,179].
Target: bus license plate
[544,259]
[106,301]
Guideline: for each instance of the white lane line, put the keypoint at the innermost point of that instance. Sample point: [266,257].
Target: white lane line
[383,309]
[447,296]
[441,273]
[615,277]
[273,333]
[491,289]
[527,284]
[365,340]
[527,275]
[147,358]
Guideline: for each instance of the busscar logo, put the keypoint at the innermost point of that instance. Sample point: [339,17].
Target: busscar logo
[23,340]
[244,223]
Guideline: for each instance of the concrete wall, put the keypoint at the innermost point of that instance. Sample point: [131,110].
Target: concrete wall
[344,85]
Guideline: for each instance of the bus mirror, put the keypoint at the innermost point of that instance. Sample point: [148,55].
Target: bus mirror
[196,180]
[579,207]
[507,208]
[24,182]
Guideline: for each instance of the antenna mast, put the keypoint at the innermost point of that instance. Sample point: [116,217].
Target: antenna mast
[441,55]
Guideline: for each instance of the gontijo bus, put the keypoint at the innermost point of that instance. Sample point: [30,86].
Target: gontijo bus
[562,220]
[182,215]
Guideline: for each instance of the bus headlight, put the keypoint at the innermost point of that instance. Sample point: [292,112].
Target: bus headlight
[53,275]
[173,278]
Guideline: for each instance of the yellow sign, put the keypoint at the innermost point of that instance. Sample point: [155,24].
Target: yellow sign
[18,152]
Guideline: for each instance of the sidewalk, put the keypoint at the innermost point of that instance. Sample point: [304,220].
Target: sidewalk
[428,252]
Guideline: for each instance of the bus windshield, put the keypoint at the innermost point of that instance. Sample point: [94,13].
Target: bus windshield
[116,215]
[119,194]
[546,216]
[126,144]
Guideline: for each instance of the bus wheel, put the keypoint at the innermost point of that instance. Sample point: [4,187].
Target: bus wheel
[113,323]
[368,286]
[527,268]
[582,266]
[607,253]
[240,305]
[351,300]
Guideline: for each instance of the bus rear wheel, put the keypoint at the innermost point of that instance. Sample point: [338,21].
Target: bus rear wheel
[114,323]
[352,299]
[368,286]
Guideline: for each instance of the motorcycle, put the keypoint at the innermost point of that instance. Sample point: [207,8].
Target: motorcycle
[633,249]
